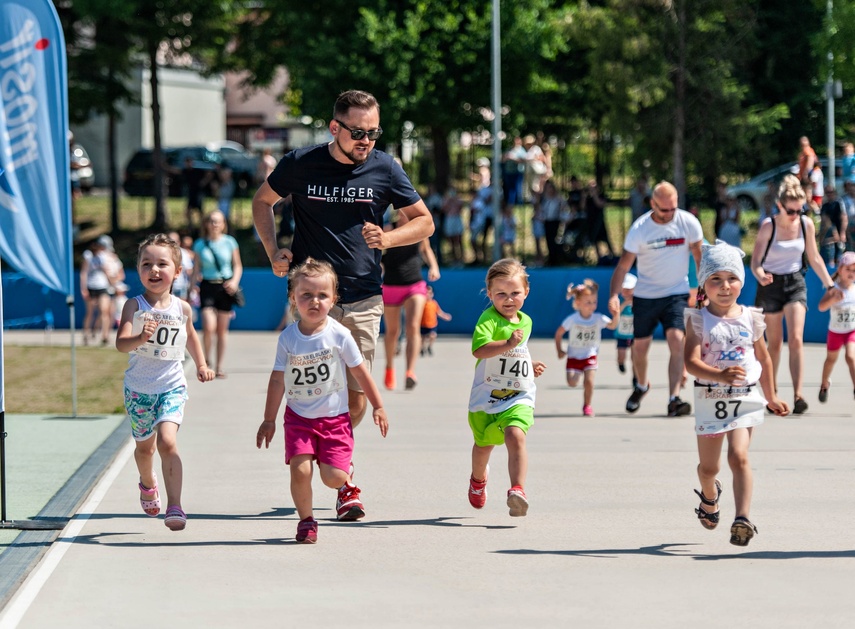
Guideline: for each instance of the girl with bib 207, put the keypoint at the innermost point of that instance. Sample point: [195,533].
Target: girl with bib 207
[155,328]
[727,354]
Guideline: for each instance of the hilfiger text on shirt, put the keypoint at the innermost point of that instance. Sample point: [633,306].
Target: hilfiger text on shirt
[666,242]
[339,194]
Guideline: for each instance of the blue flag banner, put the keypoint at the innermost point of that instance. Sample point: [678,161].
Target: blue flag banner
[35,194]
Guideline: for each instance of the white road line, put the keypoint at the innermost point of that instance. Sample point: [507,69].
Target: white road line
[30,588]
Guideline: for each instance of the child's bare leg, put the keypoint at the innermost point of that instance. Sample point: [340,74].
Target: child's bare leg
[144,458]
[709,453]
[743,478]
[828,367]
[517,455]
[301,484]
[589,386]
[621,355]
[573,378]
[333,477]
[850,361]
[480,459]
[170,461]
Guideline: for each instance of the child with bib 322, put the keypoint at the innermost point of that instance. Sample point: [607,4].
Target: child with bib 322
[501,404]
[155,328]
[310,370]
[727,354]
[841,323]
[584,327]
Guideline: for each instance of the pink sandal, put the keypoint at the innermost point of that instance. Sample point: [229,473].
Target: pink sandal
[152,505]
[176,519]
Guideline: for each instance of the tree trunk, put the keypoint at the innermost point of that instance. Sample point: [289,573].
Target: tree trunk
[441,158]
[114,178]
[680,105]
[160,221]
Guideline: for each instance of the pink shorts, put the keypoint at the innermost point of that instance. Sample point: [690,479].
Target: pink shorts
[582,364]
[397,295]
[327,439]
[835,340]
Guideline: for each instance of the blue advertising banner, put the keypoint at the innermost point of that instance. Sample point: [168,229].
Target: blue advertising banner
[35,195]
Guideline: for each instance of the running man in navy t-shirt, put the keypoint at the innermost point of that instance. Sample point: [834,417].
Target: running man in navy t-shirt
[340,191]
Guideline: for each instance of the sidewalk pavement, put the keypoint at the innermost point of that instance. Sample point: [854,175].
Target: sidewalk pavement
[611,537]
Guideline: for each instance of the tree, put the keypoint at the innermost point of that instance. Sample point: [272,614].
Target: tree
[427,61]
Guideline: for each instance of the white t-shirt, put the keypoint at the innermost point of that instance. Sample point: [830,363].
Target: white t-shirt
[662,253]
[842,317]
[584,335]
[729,342]
[315,381]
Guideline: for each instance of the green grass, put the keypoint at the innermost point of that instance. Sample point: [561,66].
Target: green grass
[38,380]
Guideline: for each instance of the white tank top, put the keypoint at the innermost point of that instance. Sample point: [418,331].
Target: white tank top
[730,342]
[785,256]
[150,375]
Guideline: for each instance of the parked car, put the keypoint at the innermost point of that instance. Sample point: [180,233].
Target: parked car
[84,174]
[750,193]
[139,172]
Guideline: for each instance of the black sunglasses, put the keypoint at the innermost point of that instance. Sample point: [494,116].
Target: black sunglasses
[358,134]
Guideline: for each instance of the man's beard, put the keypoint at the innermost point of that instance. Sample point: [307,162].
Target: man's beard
[351,156]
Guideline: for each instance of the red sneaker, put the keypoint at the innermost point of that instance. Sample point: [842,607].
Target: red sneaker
[478,490]
[389,380]
[307,531]
[517,502]
[348,506]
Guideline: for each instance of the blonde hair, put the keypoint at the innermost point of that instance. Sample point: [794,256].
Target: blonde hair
[791,190]
[508,268]
[587,287]
[161,240]
[311,268]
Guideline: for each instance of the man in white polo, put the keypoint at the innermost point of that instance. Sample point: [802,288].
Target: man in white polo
[660,241]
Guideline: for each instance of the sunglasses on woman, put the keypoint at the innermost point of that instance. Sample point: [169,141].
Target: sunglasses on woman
[358,134]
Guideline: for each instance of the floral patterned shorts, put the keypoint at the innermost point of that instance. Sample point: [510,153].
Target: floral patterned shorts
[147,410]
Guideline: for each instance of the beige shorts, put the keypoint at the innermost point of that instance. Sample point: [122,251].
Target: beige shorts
[362,318]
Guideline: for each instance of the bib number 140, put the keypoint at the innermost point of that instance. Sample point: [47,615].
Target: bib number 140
[517,368]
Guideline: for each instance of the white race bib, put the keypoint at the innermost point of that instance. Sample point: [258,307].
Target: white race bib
[169,339]
[511,370]
[584,335]
[625,325]
[721,408]
[842,319]
[309,376]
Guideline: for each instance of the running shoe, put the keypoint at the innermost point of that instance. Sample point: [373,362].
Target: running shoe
[348,507]
[634,401]
[588,410]
[478,490]
[307,531]
[389,380]
[678,408]
[517,502]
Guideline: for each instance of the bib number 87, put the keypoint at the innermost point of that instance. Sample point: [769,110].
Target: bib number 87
[721,410]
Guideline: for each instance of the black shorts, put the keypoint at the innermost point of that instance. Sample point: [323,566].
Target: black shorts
[649,313]
[214,295]
[785,289]
[623,343]
[94,293]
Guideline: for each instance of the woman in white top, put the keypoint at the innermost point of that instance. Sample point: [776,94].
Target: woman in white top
[785,244]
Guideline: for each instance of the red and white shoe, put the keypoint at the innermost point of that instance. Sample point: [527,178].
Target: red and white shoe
[517,502]
[307,531]
[348,507]
[478,490]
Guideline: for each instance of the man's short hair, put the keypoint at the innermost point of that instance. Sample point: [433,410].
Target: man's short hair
[354,98]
